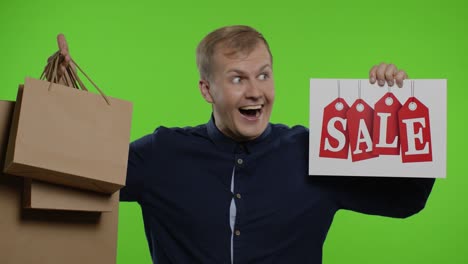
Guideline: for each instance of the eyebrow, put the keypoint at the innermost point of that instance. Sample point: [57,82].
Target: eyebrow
[243,73]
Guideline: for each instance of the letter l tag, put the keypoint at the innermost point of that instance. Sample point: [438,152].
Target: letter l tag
[385,138]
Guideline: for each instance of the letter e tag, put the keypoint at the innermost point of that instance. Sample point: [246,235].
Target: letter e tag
[385,133]
[334,142]
[360,118]
[415,132]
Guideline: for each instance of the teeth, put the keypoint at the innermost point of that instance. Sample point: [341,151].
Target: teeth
[251,107]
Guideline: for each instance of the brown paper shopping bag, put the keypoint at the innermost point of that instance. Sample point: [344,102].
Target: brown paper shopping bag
[54,237]
[31,236]
[46,196]
[69,136]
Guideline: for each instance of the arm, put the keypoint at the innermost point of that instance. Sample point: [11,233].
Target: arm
[139,159]
[140,151]
[394,197]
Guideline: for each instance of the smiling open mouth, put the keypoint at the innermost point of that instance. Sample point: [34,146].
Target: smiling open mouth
[251,112]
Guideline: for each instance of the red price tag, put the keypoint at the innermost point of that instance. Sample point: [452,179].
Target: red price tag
[334,142]
[415,132]
[360,118]
[385,136]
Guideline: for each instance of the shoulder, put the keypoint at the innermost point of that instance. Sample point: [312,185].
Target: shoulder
[286,131]
[165,132]
[164,137]
[169,135]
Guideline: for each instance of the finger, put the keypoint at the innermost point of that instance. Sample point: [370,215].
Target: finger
[390,72]
[381,74]
[62,44]
[372,74]
[66,60]
[399,77]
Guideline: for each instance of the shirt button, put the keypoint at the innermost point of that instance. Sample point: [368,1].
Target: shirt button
[237,233]
[240,161]
[238,196]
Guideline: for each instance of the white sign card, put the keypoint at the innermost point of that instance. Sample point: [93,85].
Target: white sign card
[360,129]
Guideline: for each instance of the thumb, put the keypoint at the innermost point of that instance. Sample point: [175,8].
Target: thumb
[62,44]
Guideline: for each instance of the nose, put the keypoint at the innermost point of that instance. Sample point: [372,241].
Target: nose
[253,91]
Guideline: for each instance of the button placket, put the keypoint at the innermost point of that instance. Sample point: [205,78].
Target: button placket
[240,162]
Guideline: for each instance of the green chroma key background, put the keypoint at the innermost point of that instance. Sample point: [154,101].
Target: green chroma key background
[144,51]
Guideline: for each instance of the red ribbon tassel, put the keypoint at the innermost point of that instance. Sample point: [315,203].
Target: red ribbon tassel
[415,132]
[334,142]
[386,139]
[360,118]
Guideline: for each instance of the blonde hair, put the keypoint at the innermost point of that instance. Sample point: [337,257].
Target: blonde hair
[241,39]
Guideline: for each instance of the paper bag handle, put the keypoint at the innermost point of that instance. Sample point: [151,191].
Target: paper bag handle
[69,76]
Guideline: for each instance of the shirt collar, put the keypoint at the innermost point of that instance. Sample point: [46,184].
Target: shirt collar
[229,144]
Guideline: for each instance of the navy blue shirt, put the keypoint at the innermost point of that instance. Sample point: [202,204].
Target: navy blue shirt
[182,177]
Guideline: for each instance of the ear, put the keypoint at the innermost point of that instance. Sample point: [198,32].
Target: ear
[204,87]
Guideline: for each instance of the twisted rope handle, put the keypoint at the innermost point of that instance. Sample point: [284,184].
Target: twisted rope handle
[69,77]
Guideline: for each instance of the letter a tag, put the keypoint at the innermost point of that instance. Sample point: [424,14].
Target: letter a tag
[415,132]
[334,142]
[360,118]
[385,134]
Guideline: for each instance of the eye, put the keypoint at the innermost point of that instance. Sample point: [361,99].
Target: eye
[263,76]
[236,79]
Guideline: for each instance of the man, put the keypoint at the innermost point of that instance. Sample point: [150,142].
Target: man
[237,188]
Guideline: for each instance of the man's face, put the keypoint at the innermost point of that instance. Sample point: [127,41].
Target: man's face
[241,91]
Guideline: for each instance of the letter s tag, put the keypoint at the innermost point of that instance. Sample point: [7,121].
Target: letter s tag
[415,132]
[334,142]
[385,136]
[360,118]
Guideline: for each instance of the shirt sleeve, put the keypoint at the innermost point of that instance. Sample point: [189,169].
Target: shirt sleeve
[139,159]
[393,197]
